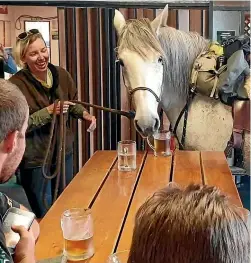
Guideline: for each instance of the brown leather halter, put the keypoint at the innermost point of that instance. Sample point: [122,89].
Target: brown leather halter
[132,91]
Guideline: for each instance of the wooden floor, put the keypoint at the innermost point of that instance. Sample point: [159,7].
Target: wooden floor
[114,196]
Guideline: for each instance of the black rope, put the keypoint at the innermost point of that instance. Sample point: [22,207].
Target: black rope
[191,95]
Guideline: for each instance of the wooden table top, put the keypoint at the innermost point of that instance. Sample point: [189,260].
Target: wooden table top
[114,196]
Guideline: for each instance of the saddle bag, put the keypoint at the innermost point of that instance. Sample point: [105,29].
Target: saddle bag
[205,76]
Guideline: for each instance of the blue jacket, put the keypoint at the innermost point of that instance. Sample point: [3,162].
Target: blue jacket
[10,65]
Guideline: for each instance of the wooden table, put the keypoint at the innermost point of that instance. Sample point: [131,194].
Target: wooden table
[115,196]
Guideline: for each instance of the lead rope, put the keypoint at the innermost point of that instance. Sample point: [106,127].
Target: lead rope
[58,134]
[53,138]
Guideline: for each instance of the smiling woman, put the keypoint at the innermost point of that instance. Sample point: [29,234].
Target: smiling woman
[42,83]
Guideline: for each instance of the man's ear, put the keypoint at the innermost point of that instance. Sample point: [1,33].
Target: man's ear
[9,143]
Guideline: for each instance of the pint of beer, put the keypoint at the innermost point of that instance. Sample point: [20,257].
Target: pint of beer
[161,145]
[77,227]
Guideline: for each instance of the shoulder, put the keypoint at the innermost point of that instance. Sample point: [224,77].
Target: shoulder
[59,72]
[19,76]
[63,72]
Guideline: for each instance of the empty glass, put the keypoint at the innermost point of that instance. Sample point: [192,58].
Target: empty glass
[127,155]
[77,227]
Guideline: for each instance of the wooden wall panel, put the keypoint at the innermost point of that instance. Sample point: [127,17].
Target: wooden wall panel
[83,84]
[94,75]
[140,13]
[205,23]
[149,13]
[195,21]
[61,30]
[172,18]
[125,102]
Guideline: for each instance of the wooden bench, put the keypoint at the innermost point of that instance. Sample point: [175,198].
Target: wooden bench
[114,196]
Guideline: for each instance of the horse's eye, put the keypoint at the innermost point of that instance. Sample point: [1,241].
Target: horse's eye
[160,60]
[121,62]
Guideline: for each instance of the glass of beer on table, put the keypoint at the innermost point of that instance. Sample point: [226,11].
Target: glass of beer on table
[77,227]
[162,139]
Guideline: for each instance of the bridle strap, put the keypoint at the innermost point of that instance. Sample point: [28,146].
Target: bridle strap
[184,111]
[131,92]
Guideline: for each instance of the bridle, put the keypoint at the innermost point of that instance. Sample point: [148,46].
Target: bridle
[132,91]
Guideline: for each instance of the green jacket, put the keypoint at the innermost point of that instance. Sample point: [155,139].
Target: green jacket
[38,98]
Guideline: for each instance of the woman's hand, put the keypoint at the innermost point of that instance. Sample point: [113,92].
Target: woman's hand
[65,107]
[90,118]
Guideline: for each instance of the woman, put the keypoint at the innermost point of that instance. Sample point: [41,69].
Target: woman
[42,83]
[197,224]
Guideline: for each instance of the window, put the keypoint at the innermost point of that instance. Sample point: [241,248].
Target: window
[43,27]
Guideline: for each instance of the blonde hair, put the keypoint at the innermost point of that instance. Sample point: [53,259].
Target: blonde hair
[138,36]
[21,47]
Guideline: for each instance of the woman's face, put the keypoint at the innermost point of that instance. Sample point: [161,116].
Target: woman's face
[37,56]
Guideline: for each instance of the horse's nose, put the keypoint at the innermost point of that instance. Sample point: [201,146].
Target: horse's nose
[147,130]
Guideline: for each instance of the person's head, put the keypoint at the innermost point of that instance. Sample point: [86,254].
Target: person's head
[31,51]
[14,113]
[195,225]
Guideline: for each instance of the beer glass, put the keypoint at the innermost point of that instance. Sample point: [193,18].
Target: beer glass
[77,227]
[161,145]
[119,257]
[127,155]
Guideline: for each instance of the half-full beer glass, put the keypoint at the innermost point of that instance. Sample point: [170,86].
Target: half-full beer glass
[161,145]
[77,227]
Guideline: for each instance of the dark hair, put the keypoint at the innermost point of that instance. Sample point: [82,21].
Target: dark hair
[194,225]
[13,108]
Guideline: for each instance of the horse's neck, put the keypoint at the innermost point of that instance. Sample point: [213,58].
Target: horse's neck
[172,107]
[181,49]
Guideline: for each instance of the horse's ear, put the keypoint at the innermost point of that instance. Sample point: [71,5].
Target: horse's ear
[160,20]
[118,21]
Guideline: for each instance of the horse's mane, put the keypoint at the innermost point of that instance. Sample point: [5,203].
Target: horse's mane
[181,49]
[178,48]
[137,35]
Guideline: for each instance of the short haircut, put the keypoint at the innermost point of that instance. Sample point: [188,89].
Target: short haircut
[197,224]
[13,108]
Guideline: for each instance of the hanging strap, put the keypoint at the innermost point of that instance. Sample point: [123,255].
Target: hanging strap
[192,93]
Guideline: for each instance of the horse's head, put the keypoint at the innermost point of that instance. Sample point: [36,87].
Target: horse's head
[142,58]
